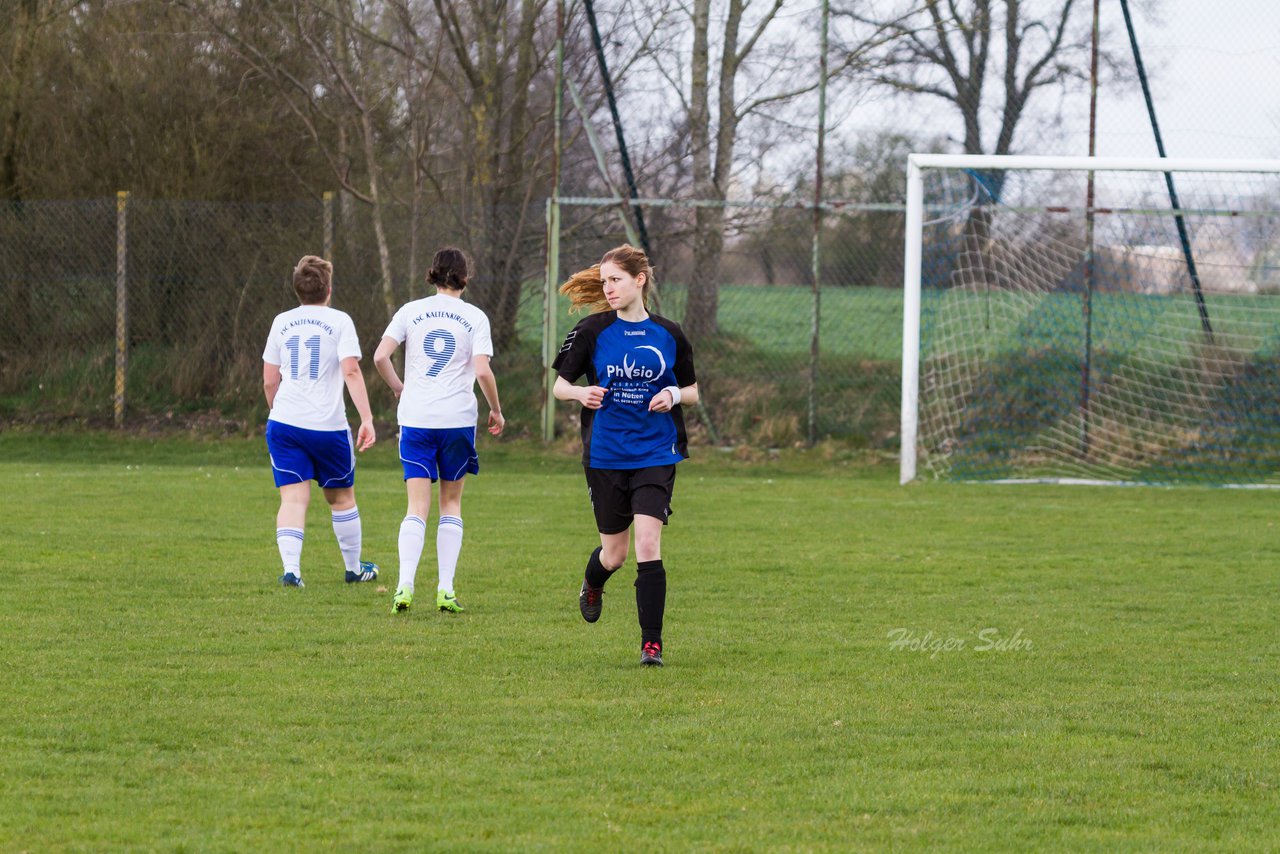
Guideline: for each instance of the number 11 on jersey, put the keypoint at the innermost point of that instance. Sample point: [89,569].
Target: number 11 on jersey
[294,346]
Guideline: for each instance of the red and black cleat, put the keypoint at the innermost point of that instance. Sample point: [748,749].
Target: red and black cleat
[589,602]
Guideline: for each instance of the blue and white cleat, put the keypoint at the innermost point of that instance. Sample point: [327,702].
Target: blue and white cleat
[368,572]
[291,580]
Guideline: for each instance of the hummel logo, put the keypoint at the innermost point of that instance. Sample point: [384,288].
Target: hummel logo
[636,332]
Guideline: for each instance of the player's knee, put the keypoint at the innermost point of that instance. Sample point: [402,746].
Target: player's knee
[341,499]
[648,544]
[296,495]
[612,557]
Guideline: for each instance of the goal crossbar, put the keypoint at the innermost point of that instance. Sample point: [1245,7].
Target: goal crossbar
[1087,164]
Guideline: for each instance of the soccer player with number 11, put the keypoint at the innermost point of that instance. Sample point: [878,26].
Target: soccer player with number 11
[311,351]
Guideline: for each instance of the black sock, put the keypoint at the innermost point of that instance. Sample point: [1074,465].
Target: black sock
[651,599]
[597,575]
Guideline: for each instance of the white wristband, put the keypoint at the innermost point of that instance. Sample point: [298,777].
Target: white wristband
[675,394]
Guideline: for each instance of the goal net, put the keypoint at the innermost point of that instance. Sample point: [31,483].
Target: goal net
[1092,319]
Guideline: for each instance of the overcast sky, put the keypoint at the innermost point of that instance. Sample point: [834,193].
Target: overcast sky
[1215,73]
[1216,67]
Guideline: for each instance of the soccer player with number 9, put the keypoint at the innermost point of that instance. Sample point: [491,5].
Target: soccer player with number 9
[447,351]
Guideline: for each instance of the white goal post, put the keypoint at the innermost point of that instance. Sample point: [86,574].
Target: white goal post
[1141,200]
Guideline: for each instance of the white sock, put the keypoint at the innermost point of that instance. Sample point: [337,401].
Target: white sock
[413,532]
[289,541]
[346,527]
[448,545]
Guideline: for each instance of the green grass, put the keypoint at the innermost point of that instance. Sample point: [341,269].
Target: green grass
[861,322]
[162,692]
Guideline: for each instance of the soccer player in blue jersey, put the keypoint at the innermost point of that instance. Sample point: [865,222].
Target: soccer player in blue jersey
[311,352]
[639,374]
[447,351]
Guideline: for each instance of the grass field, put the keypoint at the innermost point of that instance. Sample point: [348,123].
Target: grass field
[861,322]
[851,664]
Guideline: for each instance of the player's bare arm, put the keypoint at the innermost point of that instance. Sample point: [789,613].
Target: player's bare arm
[590,396]
[354,378]
[382,361]
[666,399]
[489,387]
[270,382]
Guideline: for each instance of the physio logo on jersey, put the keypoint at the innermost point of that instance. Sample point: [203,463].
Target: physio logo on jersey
[643,364]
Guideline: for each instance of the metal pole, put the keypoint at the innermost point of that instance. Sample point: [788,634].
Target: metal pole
[617,129]
[1168,177]
[549,311]
[1087,306]
[815,333]
[122,304]
[598,150]
[549,301]
[327,238]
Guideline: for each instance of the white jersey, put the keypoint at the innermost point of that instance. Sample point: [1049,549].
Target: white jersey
[309,344]
[441,337]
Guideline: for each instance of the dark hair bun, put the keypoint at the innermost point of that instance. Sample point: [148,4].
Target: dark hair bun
[448,269]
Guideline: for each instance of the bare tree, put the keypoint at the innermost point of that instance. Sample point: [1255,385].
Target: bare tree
[327,60]
[744,65]
[987,59]
[101,108]
[499,54]
[24,24]
[420,65]
[371,84]
[25,19]
[713,164]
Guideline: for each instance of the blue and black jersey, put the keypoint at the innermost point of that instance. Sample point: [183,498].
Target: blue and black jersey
[633,361]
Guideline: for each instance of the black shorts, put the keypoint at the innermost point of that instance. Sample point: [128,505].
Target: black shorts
[618,495]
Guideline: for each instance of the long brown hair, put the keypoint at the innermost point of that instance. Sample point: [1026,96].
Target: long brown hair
[585,290]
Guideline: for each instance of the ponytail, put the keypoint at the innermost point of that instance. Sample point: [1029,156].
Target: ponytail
[585,290]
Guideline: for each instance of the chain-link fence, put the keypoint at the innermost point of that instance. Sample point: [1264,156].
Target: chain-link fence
[765,378]
[57,303]
[199,282]
[179,295]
